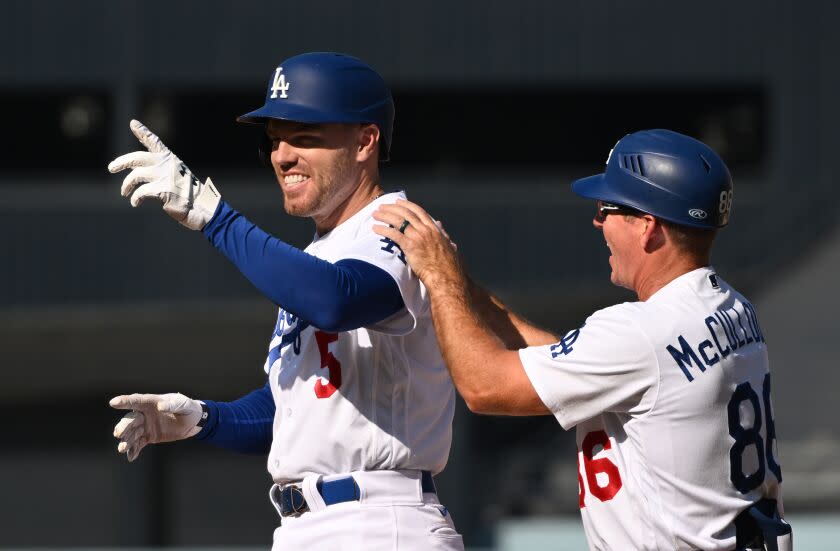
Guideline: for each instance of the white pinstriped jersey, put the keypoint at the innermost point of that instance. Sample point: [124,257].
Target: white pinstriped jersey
[671,400]
[373,398]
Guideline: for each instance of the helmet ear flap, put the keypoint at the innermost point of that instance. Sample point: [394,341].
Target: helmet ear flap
[264,150]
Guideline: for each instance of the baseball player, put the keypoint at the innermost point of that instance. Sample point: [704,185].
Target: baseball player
[357,411]
[670,395]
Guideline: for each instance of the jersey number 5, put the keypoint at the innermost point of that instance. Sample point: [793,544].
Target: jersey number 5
[745,437]
[322,389]
[593,467]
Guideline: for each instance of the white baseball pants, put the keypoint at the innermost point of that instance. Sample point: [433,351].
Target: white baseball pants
[392,514]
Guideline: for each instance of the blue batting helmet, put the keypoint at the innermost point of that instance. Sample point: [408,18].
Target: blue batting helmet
[327,87]
[665,174]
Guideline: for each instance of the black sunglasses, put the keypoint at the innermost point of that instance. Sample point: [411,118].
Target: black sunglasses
[605,208]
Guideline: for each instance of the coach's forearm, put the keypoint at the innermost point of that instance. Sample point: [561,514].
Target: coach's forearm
[464,342]
[484,371]
[514,331]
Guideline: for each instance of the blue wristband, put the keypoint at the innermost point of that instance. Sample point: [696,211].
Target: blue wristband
[244,425]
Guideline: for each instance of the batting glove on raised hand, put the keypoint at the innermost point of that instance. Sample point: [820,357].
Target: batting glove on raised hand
[154,418]
[160,174]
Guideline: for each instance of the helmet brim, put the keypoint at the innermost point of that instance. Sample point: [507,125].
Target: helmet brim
[254,117]
[595,187]
[294,113]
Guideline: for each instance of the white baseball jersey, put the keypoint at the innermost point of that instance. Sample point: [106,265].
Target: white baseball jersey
[373,398]
[671,400]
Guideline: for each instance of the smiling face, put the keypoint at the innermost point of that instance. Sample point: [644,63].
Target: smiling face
[317,165]
[647,253]
[622,233]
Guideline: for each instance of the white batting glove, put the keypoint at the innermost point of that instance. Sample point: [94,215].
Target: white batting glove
[154,418]
[160,174]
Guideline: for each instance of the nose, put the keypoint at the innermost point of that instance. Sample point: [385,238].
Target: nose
[599,217]
[283,155]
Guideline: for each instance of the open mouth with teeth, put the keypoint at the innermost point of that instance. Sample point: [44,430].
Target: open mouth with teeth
[294,179]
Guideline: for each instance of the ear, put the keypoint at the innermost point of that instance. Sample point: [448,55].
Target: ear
[368,143]
[652,233]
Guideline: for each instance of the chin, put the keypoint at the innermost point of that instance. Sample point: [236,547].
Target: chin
[292,211]
[298,210]
[298,206]
[616,280]
[618,283]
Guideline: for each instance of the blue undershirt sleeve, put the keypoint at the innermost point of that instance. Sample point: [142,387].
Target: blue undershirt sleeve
[244,425]
[332,297]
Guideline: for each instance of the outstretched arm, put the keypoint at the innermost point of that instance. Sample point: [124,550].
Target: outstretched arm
[334,297]
[244,425]
[488,375]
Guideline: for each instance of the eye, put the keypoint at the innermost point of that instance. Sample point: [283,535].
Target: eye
[305,140]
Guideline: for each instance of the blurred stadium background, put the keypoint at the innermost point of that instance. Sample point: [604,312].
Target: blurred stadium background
[499,106]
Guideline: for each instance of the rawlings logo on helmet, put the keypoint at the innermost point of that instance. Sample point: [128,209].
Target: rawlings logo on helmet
[699,214]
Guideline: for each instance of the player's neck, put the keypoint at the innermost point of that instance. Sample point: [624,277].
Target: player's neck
[659,270]
[367,190]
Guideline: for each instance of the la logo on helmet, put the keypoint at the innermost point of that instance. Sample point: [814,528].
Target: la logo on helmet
[280,84]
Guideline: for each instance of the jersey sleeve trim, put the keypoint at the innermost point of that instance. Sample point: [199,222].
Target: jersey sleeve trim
[541,387]
[331,296]
[401,322]
[606,366]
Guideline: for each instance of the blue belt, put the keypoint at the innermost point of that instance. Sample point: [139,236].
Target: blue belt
[292,503]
